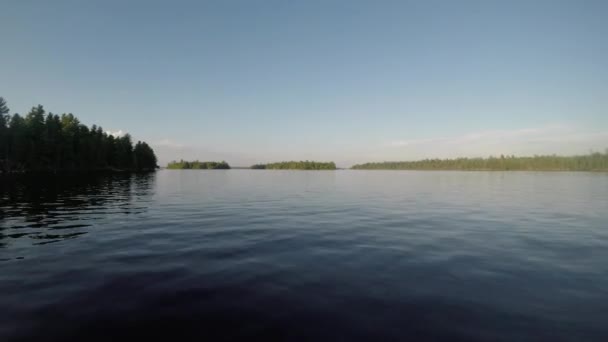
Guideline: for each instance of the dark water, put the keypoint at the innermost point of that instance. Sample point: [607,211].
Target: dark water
[280,255]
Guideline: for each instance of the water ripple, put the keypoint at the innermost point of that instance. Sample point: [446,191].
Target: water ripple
[233,255]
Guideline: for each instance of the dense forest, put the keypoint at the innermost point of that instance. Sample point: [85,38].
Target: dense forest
[296,165]
[51,142]
[591,162]
[198,165]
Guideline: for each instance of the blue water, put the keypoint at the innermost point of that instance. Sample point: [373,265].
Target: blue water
[305,256]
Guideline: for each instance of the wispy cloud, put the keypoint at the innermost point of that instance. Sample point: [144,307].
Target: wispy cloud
[491,136]
[167,150]
[556,138]
[116,134]
[168,143]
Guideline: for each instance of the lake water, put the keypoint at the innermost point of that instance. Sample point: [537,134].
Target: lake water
[298,255]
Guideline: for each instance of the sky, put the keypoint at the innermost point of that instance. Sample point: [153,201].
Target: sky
[349,81]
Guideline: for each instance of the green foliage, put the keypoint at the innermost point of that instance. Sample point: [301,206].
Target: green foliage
[591,162]
[49,142]
[198,165]
[4,135]
[144,155]
[296,165]
[3,107]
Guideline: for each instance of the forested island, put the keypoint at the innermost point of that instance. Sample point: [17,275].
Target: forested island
[51,142]
[198,165]
[296,165]
[591,162]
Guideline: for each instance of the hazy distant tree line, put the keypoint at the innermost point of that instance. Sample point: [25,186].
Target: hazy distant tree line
[198,165]
[296,165]
[43,141]
[591,162]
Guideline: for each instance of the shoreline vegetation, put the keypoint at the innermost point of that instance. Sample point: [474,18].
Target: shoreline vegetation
[47,142]
[591,162]
[296,165]
[41,142]
[197,165]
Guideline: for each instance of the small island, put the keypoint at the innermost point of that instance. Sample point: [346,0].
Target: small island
[197,165]
[296,165]
[43,141]
[591,162]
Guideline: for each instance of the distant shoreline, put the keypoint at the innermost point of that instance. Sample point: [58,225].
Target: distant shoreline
[297,165]
[420,170]
[479,170]
[591,162]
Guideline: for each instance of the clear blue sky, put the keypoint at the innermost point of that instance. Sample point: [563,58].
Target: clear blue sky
[349,81]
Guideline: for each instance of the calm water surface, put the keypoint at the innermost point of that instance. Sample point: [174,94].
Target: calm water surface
[297,255]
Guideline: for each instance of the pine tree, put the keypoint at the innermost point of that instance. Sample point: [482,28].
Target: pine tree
[4,134]
[50,142]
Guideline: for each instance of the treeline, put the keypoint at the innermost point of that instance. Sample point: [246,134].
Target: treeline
[198,165]
[51,142]
[296,165]
[591,162]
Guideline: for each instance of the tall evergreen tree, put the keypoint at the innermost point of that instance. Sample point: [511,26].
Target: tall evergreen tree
[4,136]
[18,143]
[144,157]
[43,141]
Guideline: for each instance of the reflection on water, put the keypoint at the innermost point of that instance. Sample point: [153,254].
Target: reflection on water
[46,208]
[308,256]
